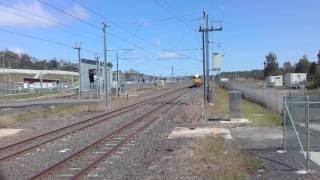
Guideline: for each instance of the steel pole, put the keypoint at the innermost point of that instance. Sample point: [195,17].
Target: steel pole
[105,67]
[207,57]
[308,133]
[79,71]
[117,56]
[284,123]
[204,69]
[97,76]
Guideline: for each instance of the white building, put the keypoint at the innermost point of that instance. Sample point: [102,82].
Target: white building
[295,80]
[274,81]
[90,77]
[37,83]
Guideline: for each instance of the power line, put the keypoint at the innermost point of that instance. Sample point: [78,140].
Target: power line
[43,39]
[182,17]
[69,14]
[173,14]
[33,19]
[93,25]
[187,49]
[112,22]
[44,20]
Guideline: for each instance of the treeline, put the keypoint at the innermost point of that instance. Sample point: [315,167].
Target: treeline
[304,65]
[272,68]
[10,59]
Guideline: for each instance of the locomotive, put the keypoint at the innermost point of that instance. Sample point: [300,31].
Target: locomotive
[197,81]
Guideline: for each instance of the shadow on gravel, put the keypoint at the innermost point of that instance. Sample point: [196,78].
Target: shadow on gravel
[218,119]
[1,176]
[276,161]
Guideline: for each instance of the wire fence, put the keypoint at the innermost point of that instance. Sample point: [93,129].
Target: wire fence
[21,91]
[271,98]
[301,130]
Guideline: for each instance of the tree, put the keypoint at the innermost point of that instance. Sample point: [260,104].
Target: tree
[271,66]
[314,75]
[303,65]
[10,56]
[25,61]
[53,64]
[287,67]
[314,69]
[318,57]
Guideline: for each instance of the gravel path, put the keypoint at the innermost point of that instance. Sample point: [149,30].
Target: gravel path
[135,160]
[26,165]
[40,126]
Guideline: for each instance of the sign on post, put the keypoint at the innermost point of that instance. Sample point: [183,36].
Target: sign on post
[217,61]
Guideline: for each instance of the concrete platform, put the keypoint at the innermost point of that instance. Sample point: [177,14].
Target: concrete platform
[199,132]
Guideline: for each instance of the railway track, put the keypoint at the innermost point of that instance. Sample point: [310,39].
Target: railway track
[32,143]
[80,163]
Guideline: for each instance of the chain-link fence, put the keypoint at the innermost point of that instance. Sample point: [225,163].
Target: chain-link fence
[271,98]
[301,130]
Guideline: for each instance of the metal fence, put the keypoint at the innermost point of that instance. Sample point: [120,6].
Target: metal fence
[271,98]
[301,130]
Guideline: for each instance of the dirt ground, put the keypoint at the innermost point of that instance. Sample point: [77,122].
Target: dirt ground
[254,152]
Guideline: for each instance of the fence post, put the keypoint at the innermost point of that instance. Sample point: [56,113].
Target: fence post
[307,133]
[284,124]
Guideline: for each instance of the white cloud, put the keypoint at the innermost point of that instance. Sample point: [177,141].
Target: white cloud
[13,17]
[79,12]
[169,55]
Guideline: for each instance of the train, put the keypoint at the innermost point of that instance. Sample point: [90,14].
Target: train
[197,81]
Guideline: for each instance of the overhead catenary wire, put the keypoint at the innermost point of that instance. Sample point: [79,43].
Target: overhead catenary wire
[173,14]
[43,39]
[96,27]
[42,19]
[171,11]
[115,24]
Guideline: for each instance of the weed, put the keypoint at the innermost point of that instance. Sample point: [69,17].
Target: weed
[6,122]
[219,159]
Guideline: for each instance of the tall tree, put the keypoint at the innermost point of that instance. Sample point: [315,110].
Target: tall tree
[314,69]
[318,57]
[271,66]
[287,67]
[10,56]
[25,61]
[303,65]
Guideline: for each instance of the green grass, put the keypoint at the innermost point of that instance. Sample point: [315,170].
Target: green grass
[221,107]
[222,160]
[257,114]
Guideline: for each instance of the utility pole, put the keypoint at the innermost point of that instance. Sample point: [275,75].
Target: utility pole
[9,86]
[104,27]
[171,72]
[78,48]
[118,88]
[205,39]
[204,69]
[98,75]
[5,77]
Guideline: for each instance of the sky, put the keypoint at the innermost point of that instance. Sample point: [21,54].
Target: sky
[162,33]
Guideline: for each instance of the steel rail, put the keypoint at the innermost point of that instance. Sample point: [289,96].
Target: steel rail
[102,140]
[114,149]
[111,114]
